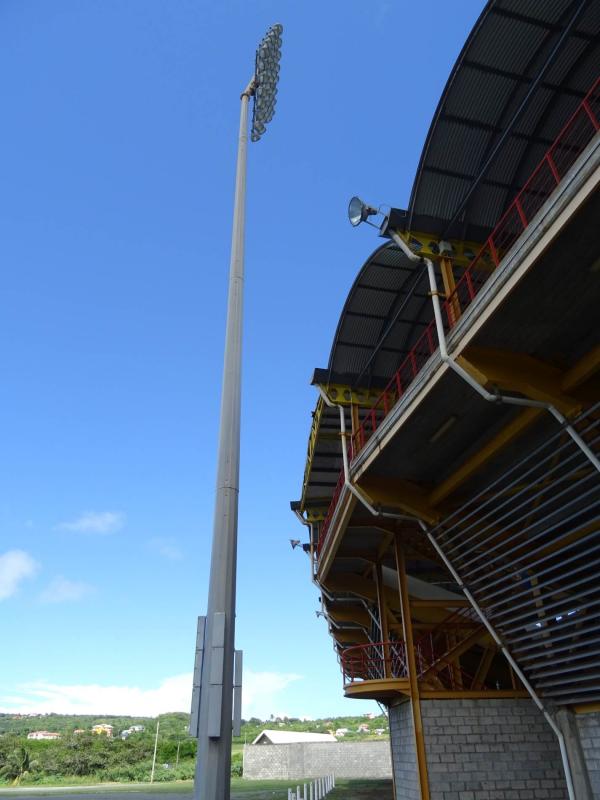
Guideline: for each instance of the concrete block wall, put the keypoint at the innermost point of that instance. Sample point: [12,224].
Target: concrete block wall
[480,750]
[589,735]
[403,753]
[316,759]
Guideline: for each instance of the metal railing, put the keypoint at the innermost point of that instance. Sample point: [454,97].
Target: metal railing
[567,147]
[387,661]
[560,157]
[374,661]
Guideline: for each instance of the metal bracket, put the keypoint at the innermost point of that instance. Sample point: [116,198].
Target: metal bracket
[197,679]
[237,693]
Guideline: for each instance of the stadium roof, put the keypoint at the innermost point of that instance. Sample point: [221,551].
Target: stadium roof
[524,69]
[522,72]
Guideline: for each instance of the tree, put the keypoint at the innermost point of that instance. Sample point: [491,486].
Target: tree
[18,765]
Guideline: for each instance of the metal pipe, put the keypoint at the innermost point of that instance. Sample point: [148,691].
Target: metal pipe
[510,501]
[478,501]
[352,488]
[489,396]
[492,398]
[527,592]
[487,542]
[527,566]
[551,649]
[514,549]
[518,671]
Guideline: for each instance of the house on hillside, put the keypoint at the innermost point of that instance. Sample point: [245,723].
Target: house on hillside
[292,737]
[103,730]
[43,735]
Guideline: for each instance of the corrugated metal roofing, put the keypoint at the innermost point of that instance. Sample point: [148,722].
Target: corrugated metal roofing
[512,44]
[385,312]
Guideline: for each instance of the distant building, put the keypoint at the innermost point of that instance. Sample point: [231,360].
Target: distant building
[77,731]
[379,731]
[363,728]
[292,737]
[43,735]
[103,730]
[133,729]
[341,731]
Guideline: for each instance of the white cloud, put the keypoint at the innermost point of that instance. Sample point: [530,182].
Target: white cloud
[261,692]
[172,694]
[94,522]
[62,590]
[15,566]
[167,548]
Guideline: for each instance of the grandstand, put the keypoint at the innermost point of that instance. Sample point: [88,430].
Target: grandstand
[452,483]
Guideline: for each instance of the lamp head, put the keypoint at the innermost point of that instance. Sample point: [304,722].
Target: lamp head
[359,212]
[393,218]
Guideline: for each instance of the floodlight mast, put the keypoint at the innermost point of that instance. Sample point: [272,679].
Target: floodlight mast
[217,644]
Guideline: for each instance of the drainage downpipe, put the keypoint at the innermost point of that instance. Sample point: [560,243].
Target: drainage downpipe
[517,401]
[510,659]
[352,488]
[376,512]
[489,396]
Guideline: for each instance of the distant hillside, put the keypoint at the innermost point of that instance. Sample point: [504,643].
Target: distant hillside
[88,758]
[174,726]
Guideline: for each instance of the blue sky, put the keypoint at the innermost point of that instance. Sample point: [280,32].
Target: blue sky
[116,186]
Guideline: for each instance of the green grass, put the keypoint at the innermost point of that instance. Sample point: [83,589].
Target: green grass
[240,788]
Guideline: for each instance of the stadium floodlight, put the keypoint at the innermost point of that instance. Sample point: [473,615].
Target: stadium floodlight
[266,75]
[359,212]
[217,674]
[393,218]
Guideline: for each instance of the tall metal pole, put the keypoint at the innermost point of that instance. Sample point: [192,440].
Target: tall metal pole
[213,765]
[155,747]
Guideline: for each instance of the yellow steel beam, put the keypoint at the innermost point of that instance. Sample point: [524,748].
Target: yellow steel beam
[350,637]
[406,496]
[468,468]
[430,245]
[349,614]
[383,618]
[421,602]
[455,652]
[582,371]
[484,667]
[345,395]
[519,372]
[473,694]
[415,702]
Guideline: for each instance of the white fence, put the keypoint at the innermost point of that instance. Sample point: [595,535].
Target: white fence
[315,790]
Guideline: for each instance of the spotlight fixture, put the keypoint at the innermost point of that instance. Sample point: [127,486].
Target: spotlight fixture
[295,543]
[266,75]
[359,211]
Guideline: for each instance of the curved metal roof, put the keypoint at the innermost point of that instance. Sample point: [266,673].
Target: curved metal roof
[522,72]
[384,314]
[524,69]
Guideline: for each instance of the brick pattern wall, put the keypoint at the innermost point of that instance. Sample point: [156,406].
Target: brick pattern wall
[589,734]
[403,753]
[316,759]
[480,750]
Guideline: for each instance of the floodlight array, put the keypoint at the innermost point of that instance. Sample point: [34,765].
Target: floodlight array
[268,56]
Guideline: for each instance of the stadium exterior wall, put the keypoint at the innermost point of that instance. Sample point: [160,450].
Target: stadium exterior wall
[589,735]
[478,749]
[315,759]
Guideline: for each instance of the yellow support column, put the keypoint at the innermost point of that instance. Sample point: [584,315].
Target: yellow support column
[415,702]
[383,621]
